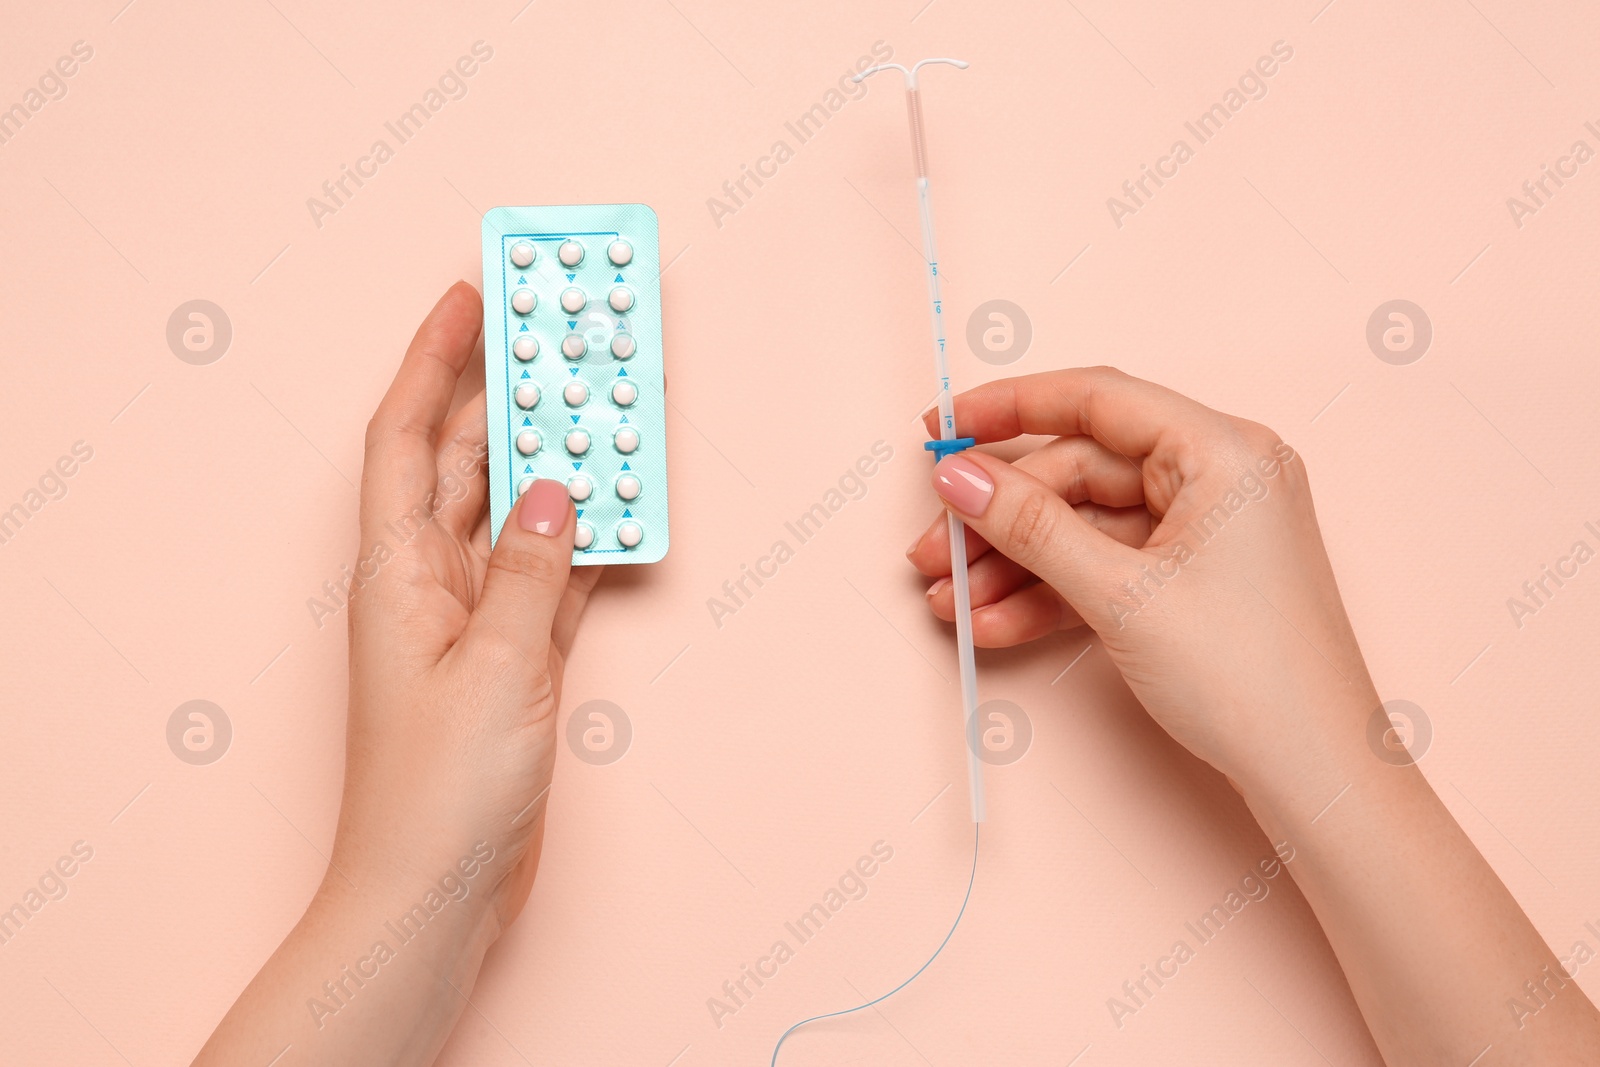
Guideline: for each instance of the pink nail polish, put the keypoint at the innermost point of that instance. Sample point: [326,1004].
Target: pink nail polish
[937,587]
[543,508]
[963,484]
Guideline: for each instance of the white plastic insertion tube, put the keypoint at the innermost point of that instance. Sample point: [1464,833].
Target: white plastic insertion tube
[947,432]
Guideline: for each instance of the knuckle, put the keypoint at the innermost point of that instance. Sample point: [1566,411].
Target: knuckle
[1101,377]
[1256,452]
[387,428]
[524,566]
[1246,443]
[1261,439]
[377,431]
[1033,523]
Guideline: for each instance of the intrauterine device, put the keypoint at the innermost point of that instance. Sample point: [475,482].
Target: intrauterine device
[949,441]
[573,371]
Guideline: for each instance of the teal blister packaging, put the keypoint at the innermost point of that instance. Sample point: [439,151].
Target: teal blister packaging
[573,366]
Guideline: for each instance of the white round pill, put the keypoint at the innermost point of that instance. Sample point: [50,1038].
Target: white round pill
[629,534]
[525,347]
[621,299]
[624,393]
[570,253]
[523,301]
[573,300]
[573,346]
[582,536]
[622,346]
[578,442]
[528,442]
[579,488]
[575,394]
[628,487]
[526,396]
[627,439]
[620,252]
[522,254]
[522,486]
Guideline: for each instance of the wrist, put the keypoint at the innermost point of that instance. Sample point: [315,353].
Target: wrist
[396,895]
[1342,800]
[1298,776]
[364,955]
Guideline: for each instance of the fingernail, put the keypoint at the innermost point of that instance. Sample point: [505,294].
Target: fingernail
[963,484]
[543,508]
[914,545]
[936,587]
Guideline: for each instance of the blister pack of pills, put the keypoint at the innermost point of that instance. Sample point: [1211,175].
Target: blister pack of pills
[573,370]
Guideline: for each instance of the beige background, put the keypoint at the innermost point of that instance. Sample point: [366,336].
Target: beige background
[769,753]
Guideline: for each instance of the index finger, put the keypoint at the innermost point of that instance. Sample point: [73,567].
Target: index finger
[401,460]
[1126,414]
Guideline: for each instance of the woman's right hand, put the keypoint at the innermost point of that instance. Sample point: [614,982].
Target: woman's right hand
[1186,538]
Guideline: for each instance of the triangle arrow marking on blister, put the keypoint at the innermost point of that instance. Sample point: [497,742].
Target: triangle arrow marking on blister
[626,513]
[574,420]
[622,372]
[571,276]
[524,328]
[526,421]
[521,280]
[625,466]
[572,324]
[619,277]
[525,374]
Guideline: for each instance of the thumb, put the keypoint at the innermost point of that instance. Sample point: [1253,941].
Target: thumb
[1025,520]
[528,570]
